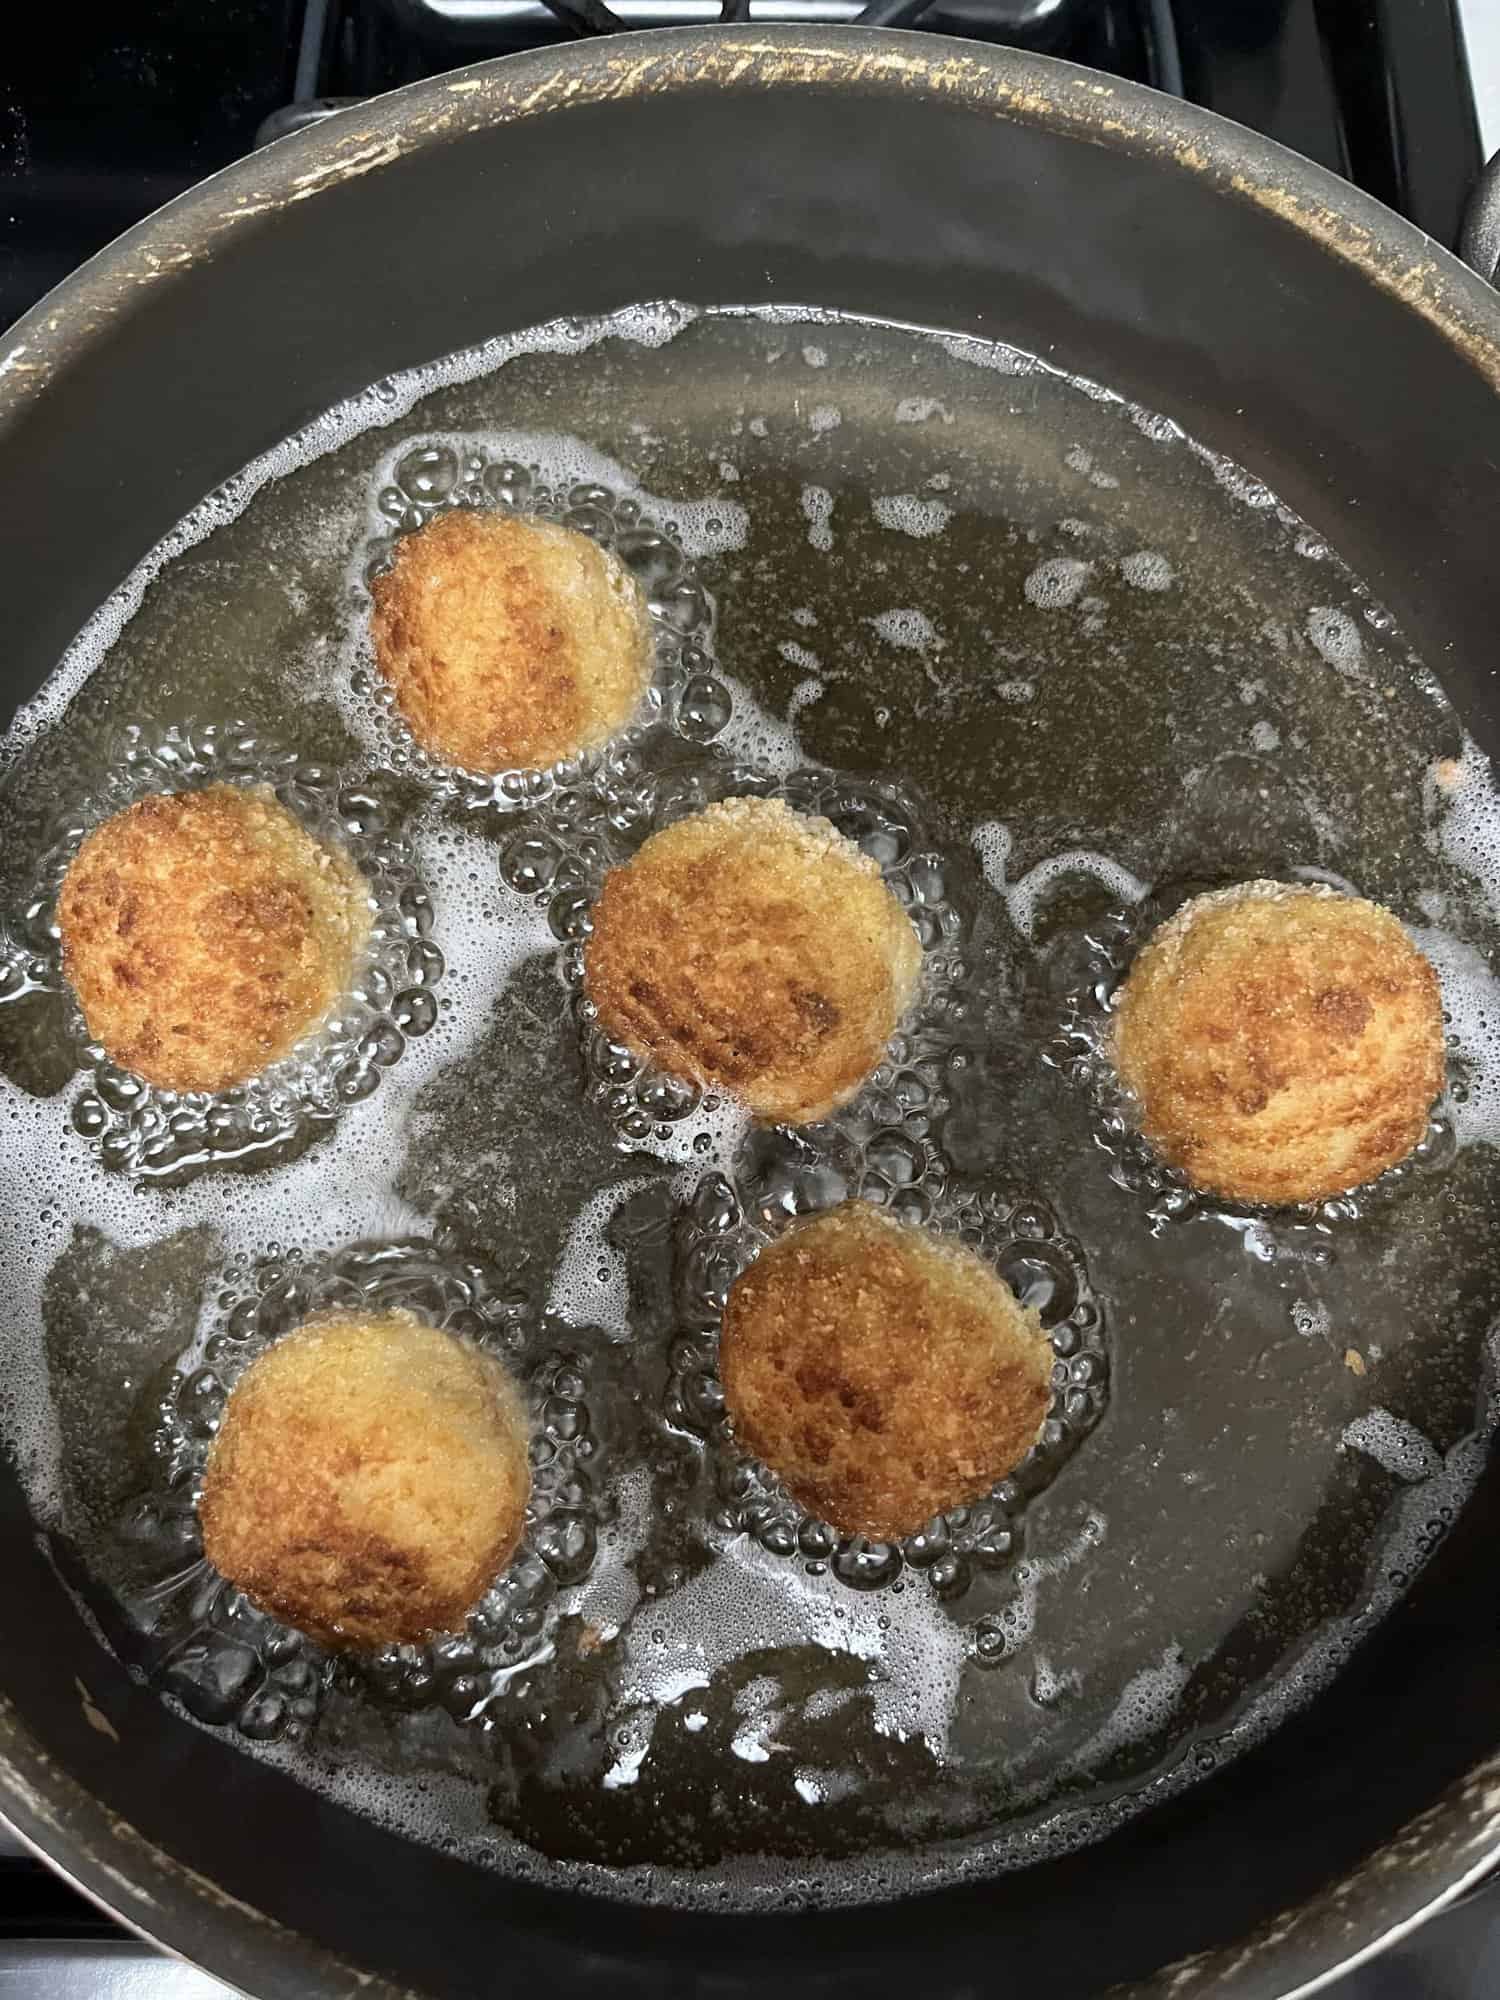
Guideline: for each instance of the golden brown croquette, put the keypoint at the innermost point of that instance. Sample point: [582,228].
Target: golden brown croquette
[883,1372]
[369,1479]
[206,932]
[1284,1042]
[756,948]
[509,642]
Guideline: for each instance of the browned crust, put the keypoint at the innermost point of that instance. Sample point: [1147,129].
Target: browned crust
[369,1480]
[882,1372]
[1285,1043]
[755,948]
[509,642]
[206,932]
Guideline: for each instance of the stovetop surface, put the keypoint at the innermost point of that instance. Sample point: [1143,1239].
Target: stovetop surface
[107,112]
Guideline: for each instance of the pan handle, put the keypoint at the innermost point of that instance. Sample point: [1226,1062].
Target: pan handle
[1479,239]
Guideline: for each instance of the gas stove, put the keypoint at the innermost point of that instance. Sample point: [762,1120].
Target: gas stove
[99,127]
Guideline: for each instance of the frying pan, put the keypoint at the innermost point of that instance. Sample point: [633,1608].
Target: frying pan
[1281,318]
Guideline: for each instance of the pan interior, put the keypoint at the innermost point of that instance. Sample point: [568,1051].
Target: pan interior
[1102,668]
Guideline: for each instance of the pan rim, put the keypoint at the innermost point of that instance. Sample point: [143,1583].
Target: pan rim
[1410,267]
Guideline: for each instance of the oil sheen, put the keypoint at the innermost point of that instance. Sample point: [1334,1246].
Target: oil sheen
[1054,666]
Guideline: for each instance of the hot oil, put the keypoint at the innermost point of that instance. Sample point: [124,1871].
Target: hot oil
[1092,666]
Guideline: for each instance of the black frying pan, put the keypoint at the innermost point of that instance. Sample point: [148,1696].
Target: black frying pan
[1281,319]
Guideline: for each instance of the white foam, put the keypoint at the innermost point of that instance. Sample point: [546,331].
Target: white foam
[747,1601]
[907,628]
[1471,1002]
[1265,736]
[908,515]
[1048,1686]
[711,527]
[759,1703]
[1146,1705]
[484,933]
[824,418]
[1146,570]
[1463,809]
[1151,424]
[1311,1318]
[609,1594]
[1464,804]
[1337,639]
[993,842]
[709,1139]
[631,1738]
[1056,583]
[1079,460]
[753,735]
[815,357]
[919,409]
[1396,1445]
[1235,480]
[803,695]
[1017,1617]
[591,1284]
[990,354]
[817,506]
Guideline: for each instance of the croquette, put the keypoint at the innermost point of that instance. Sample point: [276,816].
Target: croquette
[205,932]
[509,642]
[1283,1042]
[369,1479]
[755,948]
[881,1371]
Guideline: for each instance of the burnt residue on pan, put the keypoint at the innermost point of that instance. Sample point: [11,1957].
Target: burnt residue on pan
[1057,668]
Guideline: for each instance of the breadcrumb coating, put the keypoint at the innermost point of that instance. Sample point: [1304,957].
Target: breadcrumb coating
[369,1479]
[756,948]
[509,642]
[882,1372]
[205,932]
[1284,1042]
